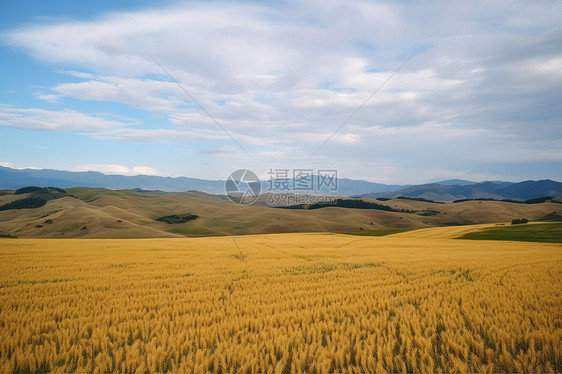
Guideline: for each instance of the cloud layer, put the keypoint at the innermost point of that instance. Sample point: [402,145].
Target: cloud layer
[482,86]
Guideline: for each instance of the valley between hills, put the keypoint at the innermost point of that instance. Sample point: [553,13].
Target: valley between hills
[103,213]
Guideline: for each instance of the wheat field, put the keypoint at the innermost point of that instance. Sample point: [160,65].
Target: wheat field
[413,302]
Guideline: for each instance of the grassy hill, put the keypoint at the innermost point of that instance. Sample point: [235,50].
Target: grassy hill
[102,213]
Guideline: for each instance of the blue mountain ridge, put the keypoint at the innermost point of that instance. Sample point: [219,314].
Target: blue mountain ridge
[446,190]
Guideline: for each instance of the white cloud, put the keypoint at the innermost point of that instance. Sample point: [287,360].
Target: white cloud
[117,169]
[347,138]
[77,74]
[141,135]
[13,166]
[146,94]
[53,99]
[41,119]
[483,83]
[102,168]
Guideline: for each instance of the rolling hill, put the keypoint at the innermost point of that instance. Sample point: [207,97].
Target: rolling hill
[102,213]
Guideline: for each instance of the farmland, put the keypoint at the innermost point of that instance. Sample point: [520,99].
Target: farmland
[414,301]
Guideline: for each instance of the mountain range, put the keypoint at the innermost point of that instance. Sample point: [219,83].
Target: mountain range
[484,190]
[447,190]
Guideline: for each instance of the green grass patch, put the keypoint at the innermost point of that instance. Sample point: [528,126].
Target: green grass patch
[239,256]
[91,194]
[177,218]
[320,268]
[462,273]
[540,232]
[367,265]
[428,213]
[311,269]
[376,232]
[195,231]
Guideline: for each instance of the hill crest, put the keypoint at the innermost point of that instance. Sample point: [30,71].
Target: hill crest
[447,190]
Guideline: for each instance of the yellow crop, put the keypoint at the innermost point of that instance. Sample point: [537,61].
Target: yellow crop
[280,303]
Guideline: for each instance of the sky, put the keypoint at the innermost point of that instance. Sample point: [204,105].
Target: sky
[386,91]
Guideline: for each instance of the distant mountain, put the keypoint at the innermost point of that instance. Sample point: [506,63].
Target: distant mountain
[484,190]
[349,187]
[531,189]
[446,190]
[15,178]
[454,182]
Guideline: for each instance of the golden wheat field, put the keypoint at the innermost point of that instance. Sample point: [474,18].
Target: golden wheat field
[413,302]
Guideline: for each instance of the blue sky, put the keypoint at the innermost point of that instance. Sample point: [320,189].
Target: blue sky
[83,88]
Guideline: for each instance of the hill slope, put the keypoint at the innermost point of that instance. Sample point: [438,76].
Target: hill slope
[100,213]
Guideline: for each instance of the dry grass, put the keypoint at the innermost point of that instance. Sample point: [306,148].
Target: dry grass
[127,214]
[417,301]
